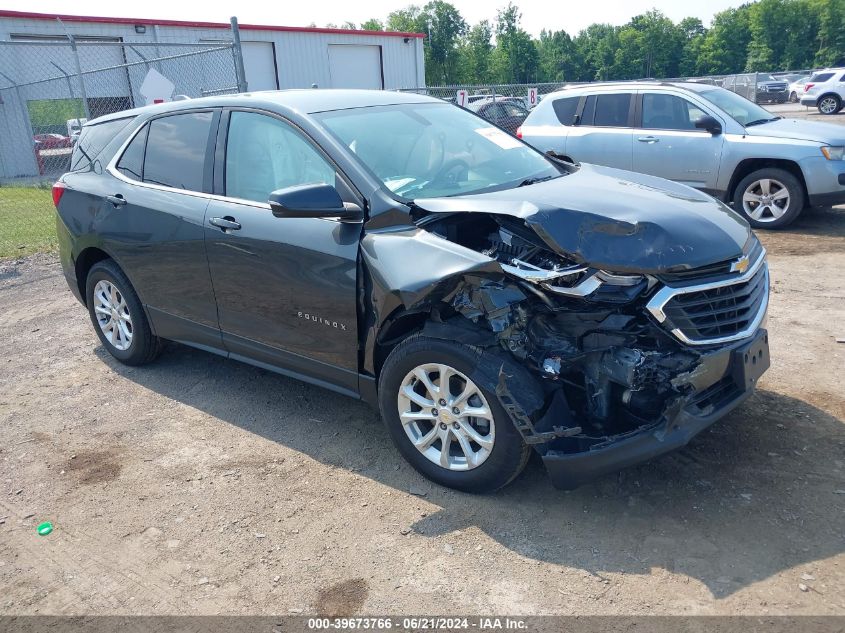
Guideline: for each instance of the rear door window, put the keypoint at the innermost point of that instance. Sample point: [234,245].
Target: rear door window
[93,140]
[176,150]
[565,109]
[612,110]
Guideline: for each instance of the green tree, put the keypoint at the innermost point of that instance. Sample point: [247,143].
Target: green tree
[770,22]
[407,20]
[559,58]
[445,27]
[693,34]
[515,58]
[597,45]
[650,45]
[830,38]
[372,25]
[475,53]
[725,47]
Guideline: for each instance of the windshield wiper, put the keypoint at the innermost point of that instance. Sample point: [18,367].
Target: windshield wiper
[759,121]
[533,181]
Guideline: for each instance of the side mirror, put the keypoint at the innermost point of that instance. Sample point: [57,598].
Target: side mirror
[313,201]
[710,124]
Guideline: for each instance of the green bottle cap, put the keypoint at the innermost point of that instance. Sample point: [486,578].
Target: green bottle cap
[45,528]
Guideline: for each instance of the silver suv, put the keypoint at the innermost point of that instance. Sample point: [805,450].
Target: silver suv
[825,90]
[712,139]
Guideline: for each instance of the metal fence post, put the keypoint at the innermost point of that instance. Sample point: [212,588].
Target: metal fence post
[78,67]
[24,113]
[238,55]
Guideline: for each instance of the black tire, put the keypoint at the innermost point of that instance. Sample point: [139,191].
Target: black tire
[822,103]
[793,186]
[793,97]
[144,346]
[509,454]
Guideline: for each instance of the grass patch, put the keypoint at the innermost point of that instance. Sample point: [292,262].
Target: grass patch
[27,221]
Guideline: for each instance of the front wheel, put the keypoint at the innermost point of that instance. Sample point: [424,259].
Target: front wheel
[829,104]
[769,198]
[118,317]
[447,426]
[793,97]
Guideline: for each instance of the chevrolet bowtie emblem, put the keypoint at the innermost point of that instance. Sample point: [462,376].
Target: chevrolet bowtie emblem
[740,265]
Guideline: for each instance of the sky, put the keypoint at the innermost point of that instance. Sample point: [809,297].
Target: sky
[569,15]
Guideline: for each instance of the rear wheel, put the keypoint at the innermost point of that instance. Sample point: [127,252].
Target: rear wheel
[769,198]
[829,104]
[449,428]
[793,97]
[118,317]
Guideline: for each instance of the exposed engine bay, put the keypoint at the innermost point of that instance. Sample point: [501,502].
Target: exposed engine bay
[577,341]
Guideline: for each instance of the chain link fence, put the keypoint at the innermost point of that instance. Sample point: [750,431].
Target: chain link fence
[49,89]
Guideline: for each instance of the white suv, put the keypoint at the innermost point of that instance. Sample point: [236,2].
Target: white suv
[825,90]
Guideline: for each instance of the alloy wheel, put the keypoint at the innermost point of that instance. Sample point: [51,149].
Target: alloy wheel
[112,314]
[828,105]
[765,200]
[446,417]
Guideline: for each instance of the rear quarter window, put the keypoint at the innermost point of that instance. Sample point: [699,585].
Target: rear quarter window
[821,77]
[565,109]
[93,140]
[131,164]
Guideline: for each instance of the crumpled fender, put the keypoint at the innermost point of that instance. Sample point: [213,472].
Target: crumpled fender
[410,269]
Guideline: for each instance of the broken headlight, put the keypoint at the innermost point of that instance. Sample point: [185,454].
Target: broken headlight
[615,279]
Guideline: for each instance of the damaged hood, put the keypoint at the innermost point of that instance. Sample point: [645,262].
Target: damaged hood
[617,220]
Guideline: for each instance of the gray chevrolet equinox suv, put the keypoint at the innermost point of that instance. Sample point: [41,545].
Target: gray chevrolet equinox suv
[768,167]
[490,300]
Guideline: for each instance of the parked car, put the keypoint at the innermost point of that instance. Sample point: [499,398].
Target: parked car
[771,90]
[796,88]
[51,141]
[825,90]
[770,168]
[508,112]
[394,248]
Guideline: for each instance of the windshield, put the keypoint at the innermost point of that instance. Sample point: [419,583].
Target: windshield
[741,109]
[430,149]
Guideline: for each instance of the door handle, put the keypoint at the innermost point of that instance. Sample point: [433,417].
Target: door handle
[648,139]
[227,223]
[117,200]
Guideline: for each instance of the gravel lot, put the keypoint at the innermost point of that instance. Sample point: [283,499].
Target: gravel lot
[198,485]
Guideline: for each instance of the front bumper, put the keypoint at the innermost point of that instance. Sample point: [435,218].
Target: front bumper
[825,180]
[742,370]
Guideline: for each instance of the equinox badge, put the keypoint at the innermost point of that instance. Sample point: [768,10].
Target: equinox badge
[312,317]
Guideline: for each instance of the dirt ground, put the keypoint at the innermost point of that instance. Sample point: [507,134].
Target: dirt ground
[199,485]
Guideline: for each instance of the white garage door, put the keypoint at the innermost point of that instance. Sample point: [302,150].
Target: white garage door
[355,66]
[260,65]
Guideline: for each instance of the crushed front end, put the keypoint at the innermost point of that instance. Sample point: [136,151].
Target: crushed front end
[598,369]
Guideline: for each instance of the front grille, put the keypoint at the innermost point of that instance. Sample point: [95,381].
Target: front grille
[716,312]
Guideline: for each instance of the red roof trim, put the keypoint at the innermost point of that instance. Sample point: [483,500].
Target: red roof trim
[203,25]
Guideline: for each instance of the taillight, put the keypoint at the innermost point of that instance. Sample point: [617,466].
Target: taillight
[58,191]
[808,86]
[519,132]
